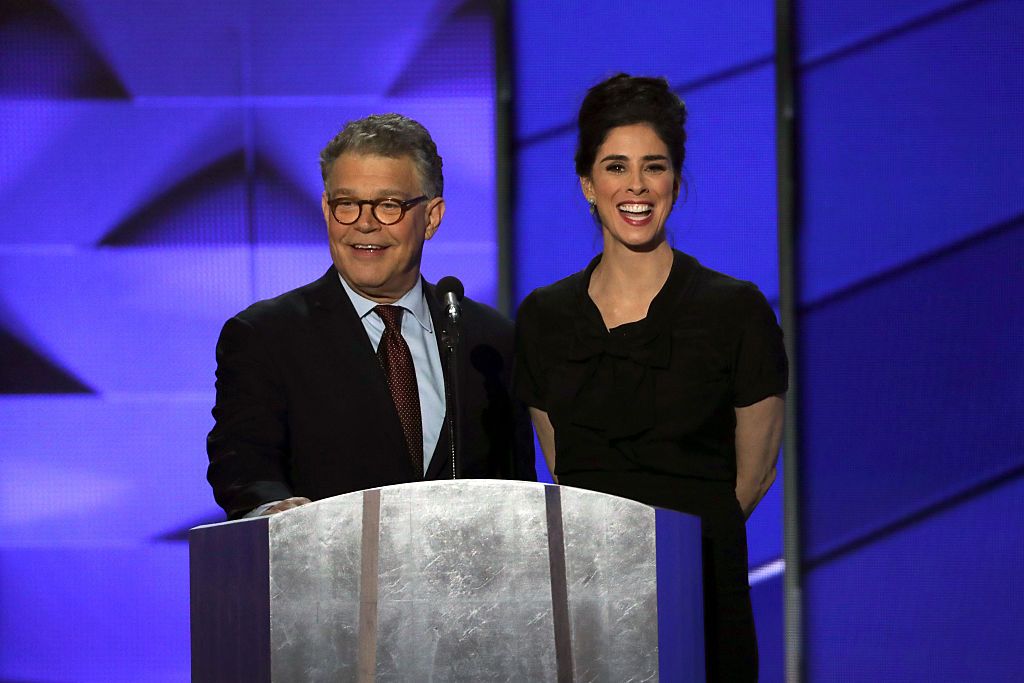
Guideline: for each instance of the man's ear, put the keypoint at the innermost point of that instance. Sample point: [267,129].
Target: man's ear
[435,212]
[326,209]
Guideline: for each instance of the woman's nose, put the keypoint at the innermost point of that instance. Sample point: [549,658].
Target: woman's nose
[637,184]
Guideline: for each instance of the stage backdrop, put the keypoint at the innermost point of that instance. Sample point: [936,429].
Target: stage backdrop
[912,318]
[158,173]
[720,58]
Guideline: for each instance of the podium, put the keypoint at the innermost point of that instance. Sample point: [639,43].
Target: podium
[462,580]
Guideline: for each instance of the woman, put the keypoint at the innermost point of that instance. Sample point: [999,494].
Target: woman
[649,376]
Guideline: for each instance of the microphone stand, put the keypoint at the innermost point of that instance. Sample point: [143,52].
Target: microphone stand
[451,338]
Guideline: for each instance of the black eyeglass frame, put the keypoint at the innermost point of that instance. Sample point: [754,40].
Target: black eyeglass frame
[374,203]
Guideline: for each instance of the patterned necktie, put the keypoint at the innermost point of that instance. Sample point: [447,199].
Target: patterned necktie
[393,354]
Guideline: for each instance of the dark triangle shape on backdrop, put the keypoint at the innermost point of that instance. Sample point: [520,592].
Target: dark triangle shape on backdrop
[42,54]
[282,213]
[23,370]
[207,207]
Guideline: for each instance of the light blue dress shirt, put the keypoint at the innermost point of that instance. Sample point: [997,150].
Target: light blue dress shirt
[418,331]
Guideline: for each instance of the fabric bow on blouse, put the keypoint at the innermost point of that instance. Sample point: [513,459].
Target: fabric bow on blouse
[615,387]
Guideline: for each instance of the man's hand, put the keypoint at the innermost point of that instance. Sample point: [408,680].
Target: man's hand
[286,504]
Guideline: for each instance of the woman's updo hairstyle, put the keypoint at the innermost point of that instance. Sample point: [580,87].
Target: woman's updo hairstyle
[624,100]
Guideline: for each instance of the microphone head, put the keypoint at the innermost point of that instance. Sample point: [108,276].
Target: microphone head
[450,285]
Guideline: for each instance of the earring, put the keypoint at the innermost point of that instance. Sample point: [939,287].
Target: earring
[592,201]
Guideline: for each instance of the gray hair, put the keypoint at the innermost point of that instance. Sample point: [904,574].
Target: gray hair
[393,136]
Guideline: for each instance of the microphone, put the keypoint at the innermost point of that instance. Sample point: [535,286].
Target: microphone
[450,291]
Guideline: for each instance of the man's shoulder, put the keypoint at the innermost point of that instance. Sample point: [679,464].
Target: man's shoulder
[288,307]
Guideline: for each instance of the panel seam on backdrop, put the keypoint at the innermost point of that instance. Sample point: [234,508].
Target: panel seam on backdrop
[689,86]
[908,520]
[884,35]
[915,263]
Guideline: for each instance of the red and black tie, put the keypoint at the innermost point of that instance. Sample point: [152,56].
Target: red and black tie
[396,360]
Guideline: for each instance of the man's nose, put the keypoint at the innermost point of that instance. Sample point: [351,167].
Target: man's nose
[366,222]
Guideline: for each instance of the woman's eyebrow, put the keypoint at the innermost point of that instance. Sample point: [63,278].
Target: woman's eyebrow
[623,157]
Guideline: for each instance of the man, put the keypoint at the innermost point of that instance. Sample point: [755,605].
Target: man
[338,386]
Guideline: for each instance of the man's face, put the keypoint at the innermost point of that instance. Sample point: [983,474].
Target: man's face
[380,262]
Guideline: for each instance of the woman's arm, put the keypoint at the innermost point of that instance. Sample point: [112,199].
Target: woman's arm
[546,436]
[758,436]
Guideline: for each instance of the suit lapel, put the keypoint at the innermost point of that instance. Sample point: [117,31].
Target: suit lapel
[357,367]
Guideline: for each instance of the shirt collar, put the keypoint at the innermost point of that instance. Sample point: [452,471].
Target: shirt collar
[412,301]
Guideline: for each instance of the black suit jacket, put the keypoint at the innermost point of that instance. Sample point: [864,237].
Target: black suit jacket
[303,407]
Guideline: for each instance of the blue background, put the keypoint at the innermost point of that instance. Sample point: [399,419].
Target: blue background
[158,173]
[911,271]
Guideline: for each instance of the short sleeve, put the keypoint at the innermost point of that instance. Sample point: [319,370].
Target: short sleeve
[761,366]
[528,380]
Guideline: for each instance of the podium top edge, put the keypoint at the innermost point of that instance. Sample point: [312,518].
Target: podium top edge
[484,484]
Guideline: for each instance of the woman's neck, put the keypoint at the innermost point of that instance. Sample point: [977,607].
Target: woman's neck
[625,282]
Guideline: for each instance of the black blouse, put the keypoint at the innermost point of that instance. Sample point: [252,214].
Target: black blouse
[656,395]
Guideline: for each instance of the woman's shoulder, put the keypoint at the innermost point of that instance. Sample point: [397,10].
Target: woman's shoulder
[561,297]
[725,292]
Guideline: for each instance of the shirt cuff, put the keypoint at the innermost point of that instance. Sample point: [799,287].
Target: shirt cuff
[257,511]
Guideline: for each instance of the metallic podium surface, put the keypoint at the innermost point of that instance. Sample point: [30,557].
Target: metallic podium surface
[468,580]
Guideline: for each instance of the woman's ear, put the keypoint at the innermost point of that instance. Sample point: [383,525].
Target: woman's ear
[587,185]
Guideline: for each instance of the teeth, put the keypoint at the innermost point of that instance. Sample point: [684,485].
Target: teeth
[635,208]
[367,247]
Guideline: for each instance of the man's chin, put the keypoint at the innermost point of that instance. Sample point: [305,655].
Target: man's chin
[374,285]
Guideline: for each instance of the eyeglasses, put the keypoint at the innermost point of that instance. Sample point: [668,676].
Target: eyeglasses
[387,210]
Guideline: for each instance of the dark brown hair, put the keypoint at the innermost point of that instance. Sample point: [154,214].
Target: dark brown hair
[624,100]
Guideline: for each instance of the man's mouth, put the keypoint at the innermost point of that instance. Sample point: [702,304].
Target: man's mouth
[368,247]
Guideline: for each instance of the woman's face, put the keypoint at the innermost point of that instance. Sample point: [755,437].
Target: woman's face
[633,186]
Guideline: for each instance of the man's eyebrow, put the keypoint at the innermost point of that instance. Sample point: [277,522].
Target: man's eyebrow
[386,192]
